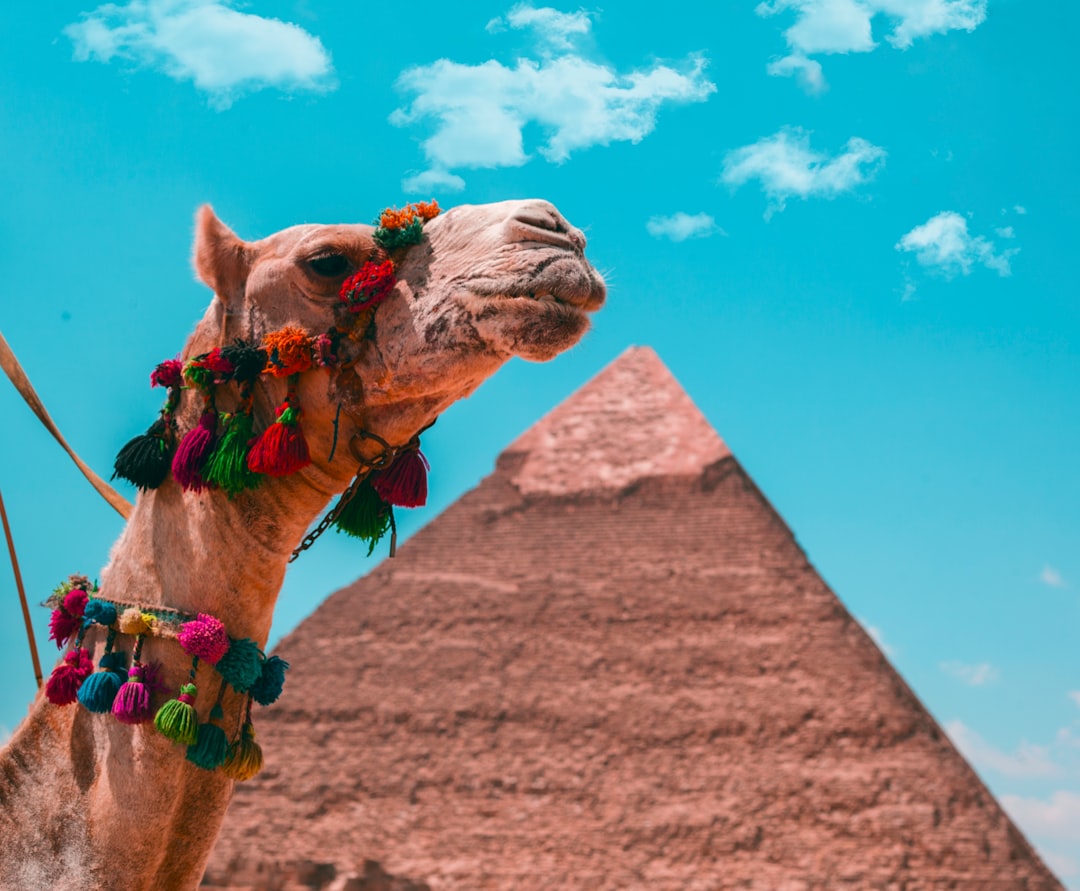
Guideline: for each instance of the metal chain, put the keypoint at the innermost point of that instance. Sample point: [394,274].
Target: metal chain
[362,474]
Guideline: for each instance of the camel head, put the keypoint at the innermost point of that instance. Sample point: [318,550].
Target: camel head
[485,283]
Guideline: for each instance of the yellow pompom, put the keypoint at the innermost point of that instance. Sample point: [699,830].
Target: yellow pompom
[133,621]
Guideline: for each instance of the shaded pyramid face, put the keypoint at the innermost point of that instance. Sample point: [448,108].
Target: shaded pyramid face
[610,666]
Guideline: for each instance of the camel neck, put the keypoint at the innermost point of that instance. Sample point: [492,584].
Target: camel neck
[202,552]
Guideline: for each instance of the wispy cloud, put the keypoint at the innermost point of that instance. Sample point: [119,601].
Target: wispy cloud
[1058,817]
[1074,695]
[559,30]
[478,113]
[846,26]
[787,167]
[973,675]
[878,637]
[681,226]
[943,245]
[1053,578]
[1028,760]
[223,52]
[807,71]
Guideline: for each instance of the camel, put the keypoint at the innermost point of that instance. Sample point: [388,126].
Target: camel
[87,802]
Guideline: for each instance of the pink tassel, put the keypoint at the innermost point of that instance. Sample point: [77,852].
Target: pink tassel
[134,699]
[204,638]
[193,451]
[62,688]
[404,483]
[66,619]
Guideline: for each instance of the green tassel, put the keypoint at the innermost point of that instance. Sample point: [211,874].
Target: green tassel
[390,239]
[227,466]
[365,516]
[242,665]
[212,746]
[245,756]
[177,719]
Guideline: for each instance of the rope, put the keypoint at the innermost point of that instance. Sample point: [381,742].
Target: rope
[22,591]
[18,377]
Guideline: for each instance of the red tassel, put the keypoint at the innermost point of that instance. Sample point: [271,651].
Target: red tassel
[404,483]
[62,687]
[281,449]
[67,618]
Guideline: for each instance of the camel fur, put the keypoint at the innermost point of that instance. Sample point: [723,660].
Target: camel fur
[89,803]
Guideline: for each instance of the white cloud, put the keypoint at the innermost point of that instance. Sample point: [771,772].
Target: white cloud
[787,167]
[807,71]
[1028,761]
[433,181]
[1074,695]
[680,226]
[558,29]
[1062,865]
[846,26]
[1006,232]
[973,675]
[943,244]
[1053,578]
[479,112]
[1057,818]
[223,52]
[1020,209]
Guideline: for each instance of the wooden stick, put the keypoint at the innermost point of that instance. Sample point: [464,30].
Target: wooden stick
[22,594]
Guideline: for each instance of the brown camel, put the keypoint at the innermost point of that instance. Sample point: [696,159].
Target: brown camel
[89,803]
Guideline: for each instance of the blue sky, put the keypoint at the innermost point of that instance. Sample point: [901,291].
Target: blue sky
[847,227]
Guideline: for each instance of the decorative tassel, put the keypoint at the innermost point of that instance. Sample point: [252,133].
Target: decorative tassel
[242,665]
[271,681]
[211,746]
[67,618]
[134,621]
[281,449]
[193,451]
[98,692]
[248,361]
[145,460]
[369,286]
[365,516]
[227,467]
[288,351]
[204,638]
[99,612]
[176,719]
[62,688]
[134,700]
[404,483]
[245,756]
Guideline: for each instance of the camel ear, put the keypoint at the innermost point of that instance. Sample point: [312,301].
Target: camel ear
[222,260]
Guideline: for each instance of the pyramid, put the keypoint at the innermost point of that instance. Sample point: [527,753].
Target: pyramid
[609,666]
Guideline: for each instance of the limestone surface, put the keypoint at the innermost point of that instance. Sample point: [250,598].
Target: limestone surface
[611,666]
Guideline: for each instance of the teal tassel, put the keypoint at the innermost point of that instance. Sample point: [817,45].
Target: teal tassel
[242,665]
[211,748]
[269,685]
[177,720]
[99,690]
[365,516]
[227,466]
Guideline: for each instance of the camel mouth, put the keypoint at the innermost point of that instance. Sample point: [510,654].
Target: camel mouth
[566,280]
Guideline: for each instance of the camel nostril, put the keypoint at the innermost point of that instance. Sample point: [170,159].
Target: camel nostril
[542,223]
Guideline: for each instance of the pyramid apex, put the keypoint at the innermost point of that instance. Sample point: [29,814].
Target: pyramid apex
[632,421]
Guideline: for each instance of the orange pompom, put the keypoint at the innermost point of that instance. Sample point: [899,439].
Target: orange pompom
[289,351]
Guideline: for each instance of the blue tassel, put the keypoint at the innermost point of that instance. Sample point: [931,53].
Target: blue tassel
[241,666]
[99,612]
[269,685]
[99,690]
[211,748]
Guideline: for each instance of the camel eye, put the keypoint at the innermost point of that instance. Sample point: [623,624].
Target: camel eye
[330,266]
